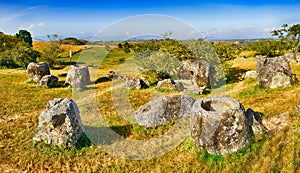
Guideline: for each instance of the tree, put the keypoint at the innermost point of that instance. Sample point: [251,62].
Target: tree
[24,55]
[50,53]
[25,36]
[120,46]
[289,32]
[269,48]
[126,47]
[227,52]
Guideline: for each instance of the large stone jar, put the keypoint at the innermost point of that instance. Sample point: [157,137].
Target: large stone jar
[218,124]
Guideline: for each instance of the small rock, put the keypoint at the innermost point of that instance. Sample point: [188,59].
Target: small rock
[60,124]
[36,71]
[163,110]
[48,81]
[136,84]
[251,74]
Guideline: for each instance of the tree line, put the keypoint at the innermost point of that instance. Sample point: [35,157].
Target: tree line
[17,50]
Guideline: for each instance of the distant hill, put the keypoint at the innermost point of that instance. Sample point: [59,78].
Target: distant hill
[146,37]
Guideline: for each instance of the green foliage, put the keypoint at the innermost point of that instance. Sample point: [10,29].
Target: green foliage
[7,42]
[227,52]
[24,55]
[146,46]
[50,53]
[126,47]
[291,33]
[204,49]
[177,49]
[6,61]
[158,61]
[72,41]
[120,46]
[167,55]
[25,36]
[210,159]
[16,51]
[270,48]
[154,76]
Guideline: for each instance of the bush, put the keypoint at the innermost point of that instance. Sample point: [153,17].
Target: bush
[7,61]
[153,77]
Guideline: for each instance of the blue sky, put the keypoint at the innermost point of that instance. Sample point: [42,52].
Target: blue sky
[215,19]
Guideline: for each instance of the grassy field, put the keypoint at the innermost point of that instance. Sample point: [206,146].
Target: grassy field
[22,102]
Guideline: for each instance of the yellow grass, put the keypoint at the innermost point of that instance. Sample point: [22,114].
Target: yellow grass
[22,102]
[39,46]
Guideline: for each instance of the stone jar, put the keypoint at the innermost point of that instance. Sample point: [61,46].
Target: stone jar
[218,124]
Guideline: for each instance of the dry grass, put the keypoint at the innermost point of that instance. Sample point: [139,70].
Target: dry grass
[278,152]
[39,46]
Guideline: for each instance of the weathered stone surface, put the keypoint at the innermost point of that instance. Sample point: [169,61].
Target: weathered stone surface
[218,124]
[255,122]
[277,123]
[274,72]
[136,84]
[251,74]
[163,110]
[78,77]
[170,85]
[60,123]
[36,71]
[200,71]
[48,81]
[291,57]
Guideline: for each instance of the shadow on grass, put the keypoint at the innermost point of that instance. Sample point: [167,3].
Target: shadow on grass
[235,75]
[107,135]
[83,142]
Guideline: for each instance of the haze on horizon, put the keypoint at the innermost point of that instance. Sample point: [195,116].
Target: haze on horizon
[82,19]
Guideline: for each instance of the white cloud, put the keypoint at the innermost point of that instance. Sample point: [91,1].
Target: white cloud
[239,33]
[31,26]
[21,13]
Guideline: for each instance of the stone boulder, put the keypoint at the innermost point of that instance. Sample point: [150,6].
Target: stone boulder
[274,72]
[291,57]
[78,77]
[136,84]
[170,85]
[255,122]
[251,74]
[200,72]
[218,124]
[163,110]
[48,81]
[60,124]
[36,71]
